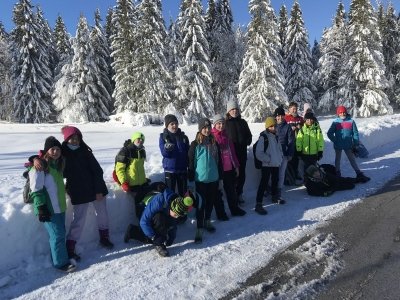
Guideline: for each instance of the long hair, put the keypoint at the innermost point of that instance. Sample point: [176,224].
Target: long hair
[59,163]
[200,137]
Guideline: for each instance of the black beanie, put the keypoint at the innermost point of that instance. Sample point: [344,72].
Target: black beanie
[51,142]
[279,111]
[204,122]
[309,115]
[169,119]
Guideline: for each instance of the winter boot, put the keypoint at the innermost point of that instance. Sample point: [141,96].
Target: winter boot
[223,217]
[278,198]
[105,239]
[209,227]
[162,250]
[362,178]
[71,250]
[260,209]
[67,268]
[198,239]
[238,212]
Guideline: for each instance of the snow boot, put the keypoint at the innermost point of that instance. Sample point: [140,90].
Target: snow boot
[162,250]
[260,209]
[238,212]
[278,198]
[70,244]
[105,239]
[223,217]
[362,178]
[209,227]
[198,239]
[67,268]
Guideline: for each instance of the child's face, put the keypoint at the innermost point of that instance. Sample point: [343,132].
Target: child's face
[279,119]
[293,110]
[172,127]
[309,122]
[54,152]
[342,115]
[271,129]
[234,113]
[220,125]
[206,131]
[317,174]
[74,140]
[138,142]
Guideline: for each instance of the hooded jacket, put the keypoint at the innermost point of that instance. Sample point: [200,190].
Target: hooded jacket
[343,133]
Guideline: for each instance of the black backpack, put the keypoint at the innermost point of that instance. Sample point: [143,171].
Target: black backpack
[257,162]
[26,193]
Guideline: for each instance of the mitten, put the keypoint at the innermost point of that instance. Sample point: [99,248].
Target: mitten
[125,186]
[169,146]
[319,155]
[43,213]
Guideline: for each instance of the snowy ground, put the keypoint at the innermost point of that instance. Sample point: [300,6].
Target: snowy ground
[208,271]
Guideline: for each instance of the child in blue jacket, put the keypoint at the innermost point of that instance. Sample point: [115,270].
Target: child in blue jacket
[158,224]
[344,135]
[174,146]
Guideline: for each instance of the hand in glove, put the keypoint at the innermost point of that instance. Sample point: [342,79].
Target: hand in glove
[125,187]
[43,213]
[169,146]
[319,156]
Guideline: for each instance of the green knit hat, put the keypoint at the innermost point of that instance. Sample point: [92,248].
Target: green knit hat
[181,205]
[137,135]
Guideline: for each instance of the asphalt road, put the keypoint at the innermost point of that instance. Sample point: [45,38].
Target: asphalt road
[368,236]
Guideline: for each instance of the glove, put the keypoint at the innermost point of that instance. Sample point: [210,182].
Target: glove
[319,156]
[169,146]
[44,214]
[125,187]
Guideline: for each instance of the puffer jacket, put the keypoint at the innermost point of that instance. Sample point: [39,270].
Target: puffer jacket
[343,133]
[175,160]
[286,138]
[273,155]
[228,153]
[309,140]
[129,164]
[48,189]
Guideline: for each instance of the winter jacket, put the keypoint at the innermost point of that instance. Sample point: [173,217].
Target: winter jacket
[129,164]
[48,189]
[158,203]
[294,121]
[343,133]
[176,159]
[309,140]
[84,175]
[228,153]
[239,133]
[273,155]
[204,162]
[286,138]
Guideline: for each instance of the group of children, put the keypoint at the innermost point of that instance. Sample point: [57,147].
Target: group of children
[195,174]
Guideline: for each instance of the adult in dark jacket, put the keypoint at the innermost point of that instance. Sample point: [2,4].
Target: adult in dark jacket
[158,224]
[286,138]
[85,185]
[174,147]
[239,133]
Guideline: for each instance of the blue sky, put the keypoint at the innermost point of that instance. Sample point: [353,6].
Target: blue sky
[317,14]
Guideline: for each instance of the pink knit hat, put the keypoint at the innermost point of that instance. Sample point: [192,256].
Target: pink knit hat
[69,131]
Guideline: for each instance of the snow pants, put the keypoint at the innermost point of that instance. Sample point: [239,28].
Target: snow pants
[56,230]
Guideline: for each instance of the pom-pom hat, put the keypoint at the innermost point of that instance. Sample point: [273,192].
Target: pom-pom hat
[181,205]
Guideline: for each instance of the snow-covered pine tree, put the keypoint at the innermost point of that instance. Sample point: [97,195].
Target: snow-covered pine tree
[150,73]
[109,31]
[261,82]
[79,94]
[102,59]
[390,32]
[315,54]
[326,75]
[282,29]
[362,80]
[62,45]
[122,46]
[31,73]
[6,104]
[193,75]
[299,86]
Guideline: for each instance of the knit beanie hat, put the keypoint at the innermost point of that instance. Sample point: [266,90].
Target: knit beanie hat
[169,119]
[204,122]
[309,115]
[270,121]
[232,104]
[218,118]
[279,111]
[181,206]
[341,109]
[69,131]
[137,135]
[51,142]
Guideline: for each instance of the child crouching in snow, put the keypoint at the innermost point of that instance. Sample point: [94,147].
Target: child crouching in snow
[48,193]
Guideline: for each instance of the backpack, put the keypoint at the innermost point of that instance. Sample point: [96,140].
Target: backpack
[26,193]
[257,162]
